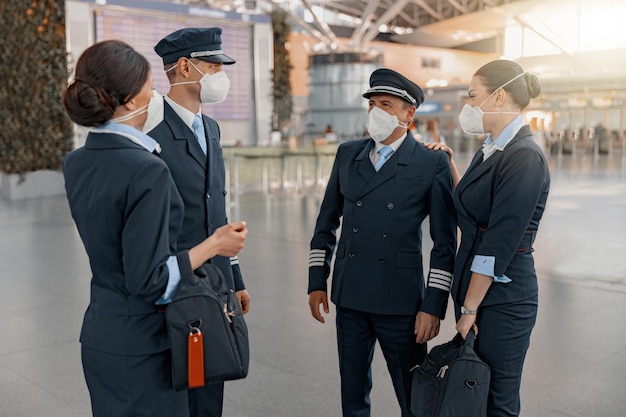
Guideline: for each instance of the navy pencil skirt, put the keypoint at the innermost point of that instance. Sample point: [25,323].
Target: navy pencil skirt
[132,386]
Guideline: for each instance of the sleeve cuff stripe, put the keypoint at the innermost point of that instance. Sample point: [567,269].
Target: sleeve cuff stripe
[316,263]
[437,282]
[312,256]
[439,279]
[440,272]
[439,286]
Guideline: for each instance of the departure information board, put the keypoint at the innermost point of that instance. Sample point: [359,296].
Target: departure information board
[144,30]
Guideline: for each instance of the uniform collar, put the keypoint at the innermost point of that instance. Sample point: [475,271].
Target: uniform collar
[394,146]
[185,115]
[129,133]
[490,146]
[507,134]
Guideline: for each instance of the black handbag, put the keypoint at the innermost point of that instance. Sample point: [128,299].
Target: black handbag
[207,331]
[452,381]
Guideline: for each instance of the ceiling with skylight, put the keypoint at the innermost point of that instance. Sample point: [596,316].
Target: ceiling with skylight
[560,39]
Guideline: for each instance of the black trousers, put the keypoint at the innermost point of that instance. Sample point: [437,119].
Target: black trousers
[357,333]
[206,401]
[132,386]
[503,340]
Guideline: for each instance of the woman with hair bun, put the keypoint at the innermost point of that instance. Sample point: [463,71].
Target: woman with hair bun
[500,201]
[128,214]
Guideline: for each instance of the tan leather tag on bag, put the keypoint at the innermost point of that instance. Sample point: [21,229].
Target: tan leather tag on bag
[195,358]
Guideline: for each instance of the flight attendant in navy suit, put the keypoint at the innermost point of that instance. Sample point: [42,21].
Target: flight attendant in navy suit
[500,201]
[190,145]
[382,188]
[128,214]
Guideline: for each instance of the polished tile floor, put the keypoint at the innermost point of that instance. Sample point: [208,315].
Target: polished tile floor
[576,365]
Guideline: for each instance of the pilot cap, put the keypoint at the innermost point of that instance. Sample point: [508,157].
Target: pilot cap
[201,43]
[386,81]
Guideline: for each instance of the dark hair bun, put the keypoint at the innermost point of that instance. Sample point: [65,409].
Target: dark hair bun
[534,88]
[99,89]
[87,103]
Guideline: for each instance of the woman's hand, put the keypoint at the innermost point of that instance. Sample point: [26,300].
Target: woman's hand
[439,146]
[465,323]
[227,240]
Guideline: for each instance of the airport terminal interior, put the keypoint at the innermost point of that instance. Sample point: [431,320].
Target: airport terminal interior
[576,364]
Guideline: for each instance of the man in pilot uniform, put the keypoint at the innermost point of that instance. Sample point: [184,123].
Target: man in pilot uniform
[190,145]
[382,188]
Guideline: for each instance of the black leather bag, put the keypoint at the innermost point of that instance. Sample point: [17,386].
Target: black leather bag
[451,382]
[205,310]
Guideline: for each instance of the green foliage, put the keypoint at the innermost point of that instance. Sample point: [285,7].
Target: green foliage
[282,68]
[35,132]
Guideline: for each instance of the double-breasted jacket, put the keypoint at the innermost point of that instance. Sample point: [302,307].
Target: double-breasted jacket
[378,266]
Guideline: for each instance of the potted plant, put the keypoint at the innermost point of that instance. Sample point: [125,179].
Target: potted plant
[283,105]
[35,133]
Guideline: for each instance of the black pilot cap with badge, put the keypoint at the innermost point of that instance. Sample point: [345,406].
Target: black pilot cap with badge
[387,81]
[200,43]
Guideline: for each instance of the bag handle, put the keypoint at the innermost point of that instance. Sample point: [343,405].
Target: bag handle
[469,340]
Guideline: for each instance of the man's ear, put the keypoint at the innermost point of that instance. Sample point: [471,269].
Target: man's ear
[184,66]
[411,114]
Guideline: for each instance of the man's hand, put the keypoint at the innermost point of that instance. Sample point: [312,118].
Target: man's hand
[315,299]
[230,238]
[244,300]
[426,327]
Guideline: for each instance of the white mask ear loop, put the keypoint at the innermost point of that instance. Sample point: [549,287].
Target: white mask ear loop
[494,91]
[186,82]
[130,115]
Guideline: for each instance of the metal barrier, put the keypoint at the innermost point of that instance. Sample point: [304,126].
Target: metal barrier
[277,169]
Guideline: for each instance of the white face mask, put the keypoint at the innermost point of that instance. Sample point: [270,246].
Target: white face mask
[213,87]
[471,118]
[155,112]
[380,124]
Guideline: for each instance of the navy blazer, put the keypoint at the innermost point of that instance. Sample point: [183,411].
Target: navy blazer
[499,205]
[128,214]
[378,266]
[200,180]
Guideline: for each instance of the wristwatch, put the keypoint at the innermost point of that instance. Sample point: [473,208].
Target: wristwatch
[469,312]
